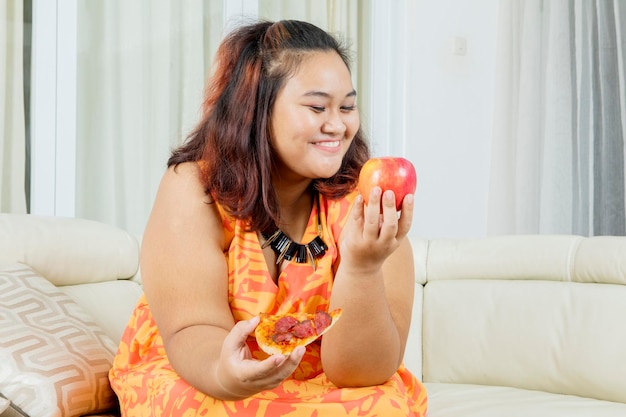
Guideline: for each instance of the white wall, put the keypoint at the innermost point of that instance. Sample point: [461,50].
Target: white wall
[451,104]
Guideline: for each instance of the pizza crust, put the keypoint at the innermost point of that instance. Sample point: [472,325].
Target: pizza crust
[265,332]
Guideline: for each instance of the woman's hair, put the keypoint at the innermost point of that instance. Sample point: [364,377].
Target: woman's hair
[232,140]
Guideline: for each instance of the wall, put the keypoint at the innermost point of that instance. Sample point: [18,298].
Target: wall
[450,103]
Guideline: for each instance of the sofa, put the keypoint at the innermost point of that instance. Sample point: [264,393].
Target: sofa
[67,288]
[521,325]
[502,326]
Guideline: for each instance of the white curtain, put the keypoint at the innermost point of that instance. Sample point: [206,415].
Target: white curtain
[12,125]
[141,72]
[560,118]
[142,66]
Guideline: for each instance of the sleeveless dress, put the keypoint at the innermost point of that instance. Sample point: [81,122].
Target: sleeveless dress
[147,385]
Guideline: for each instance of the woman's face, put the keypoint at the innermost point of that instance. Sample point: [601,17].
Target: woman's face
[314,118]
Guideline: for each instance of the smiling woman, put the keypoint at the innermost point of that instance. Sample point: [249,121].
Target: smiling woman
[256,177]
[304,149]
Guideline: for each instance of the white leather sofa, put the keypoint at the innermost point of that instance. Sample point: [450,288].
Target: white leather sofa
[521,326]
[502,326]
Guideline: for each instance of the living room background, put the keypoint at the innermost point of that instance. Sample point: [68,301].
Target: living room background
[115,84]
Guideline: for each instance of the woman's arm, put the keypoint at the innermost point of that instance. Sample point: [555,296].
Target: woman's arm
[374,286]
[185,278]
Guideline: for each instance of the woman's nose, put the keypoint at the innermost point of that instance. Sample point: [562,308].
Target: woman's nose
[334,125]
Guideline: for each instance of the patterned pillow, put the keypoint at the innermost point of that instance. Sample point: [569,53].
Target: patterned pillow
[54,359]
[4,404]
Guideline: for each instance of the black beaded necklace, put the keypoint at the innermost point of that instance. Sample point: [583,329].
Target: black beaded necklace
[289,250]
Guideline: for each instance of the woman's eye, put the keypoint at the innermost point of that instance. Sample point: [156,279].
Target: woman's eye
[321,109]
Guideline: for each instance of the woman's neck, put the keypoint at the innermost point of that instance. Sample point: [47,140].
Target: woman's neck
[295,209]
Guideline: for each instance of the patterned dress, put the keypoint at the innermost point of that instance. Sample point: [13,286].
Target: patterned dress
[147,385]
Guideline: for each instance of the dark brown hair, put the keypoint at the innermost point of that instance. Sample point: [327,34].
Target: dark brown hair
[232,140]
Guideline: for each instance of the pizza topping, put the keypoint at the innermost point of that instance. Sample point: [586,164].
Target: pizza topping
[283,333]
[304,329]
[282,337]
[322,320]
[288,327]
[285,324]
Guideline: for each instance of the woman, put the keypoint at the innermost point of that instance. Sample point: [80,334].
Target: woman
[278,150]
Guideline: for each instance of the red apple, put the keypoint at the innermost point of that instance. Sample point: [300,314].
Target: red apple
[389,173]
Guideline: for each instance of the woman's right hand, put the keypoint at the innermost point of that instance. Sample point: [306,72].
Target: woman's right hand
[240,375]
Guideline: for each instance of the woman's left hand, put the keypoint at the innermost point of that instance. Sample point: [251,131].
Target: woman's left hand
[374,284]
[373,230]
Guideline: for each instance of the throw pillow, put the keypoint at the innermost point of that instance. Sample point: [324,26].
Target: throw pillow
[54,359]
[4,404]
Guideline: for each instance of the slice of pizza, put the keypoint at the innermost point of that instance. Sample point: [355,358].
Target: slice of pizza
[281,334]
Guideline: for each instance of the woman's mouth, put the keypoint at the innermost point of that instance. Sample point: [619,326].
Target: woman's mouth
[329,144]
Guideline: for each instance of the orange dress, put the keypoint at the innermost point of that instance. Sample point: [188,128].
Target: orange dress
[147,385]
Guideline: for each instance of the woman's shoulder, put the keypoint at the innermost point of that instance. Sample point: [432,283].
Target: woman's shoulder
[193,173]
[186,172]
[183,193]
[180,183]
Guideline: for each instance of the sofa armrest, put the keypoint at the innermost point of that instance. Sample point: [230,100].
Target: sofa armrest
[68,251]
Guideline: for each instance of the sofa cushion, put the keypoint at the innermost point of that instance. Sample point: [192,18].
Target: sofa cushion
[559,337]
[110,303]
[466,400]
[54,359]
